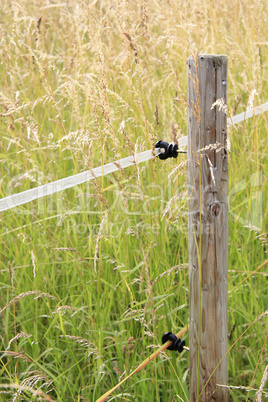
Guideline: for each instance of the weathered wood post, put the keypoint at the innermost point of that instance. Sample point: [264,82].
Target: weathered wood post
[208,225]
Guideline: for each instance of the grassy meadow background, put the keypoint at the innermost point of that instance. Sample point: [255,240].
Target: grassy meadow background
[93,276]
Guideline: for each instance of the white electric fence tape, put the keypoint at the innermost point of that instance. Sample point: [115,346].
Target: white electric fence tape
[15,200]
[246,115]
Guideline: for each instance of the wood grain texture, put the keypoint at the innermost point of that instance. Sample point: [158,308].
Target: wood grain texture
[208,224]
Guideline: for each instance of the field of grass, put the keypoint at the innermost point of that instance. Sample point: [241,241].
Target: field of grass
[93,276]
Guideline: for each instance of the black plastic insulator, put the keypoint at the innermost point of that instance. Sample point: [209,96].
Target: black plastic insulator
[177,343]
[171,150]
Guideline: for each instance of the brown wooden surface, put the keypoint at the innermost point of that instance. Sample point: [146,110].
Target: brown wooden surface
[209,241]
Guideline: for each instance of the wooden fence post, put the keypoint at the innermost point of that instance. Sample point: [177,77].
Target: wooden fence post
[208,225]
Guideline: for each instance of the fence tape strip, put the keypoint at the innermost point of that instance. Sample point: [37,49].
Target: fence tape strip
[15,200]
[246,115]
[142,365]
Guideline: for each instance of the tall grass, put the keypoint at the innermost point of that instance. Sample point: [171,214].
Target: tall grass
[93,276]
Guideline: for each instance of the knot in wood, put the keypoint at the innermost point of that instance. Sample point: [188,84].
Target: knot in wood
[197,216]
[215,209]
